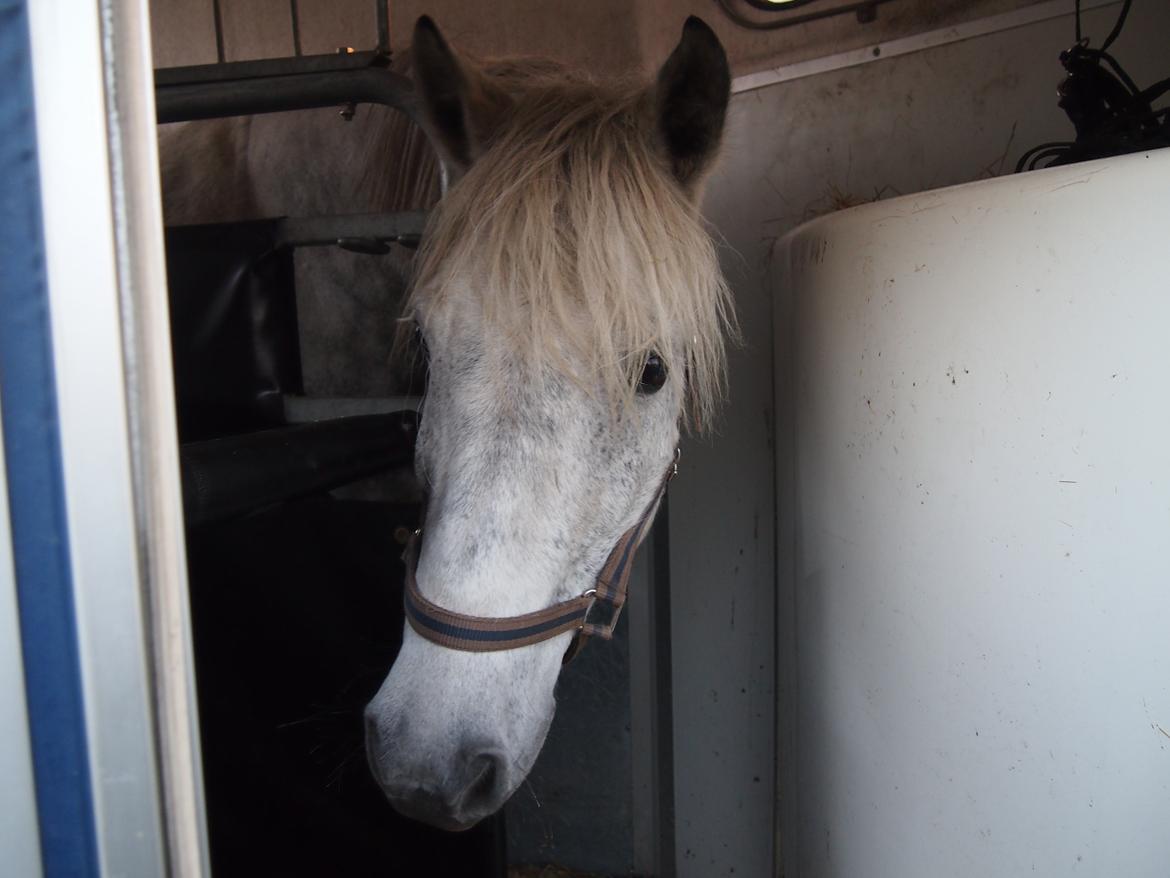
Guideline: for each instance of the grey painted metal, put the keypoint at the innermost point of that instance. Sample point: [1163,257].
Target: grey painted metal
[104,257]
[643,743]
[915,43]
[651,729]
[722,569]
[19,836]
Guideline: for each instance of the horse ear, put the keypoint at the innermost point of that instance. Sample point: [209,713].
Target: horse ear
[691,97]
[461,107]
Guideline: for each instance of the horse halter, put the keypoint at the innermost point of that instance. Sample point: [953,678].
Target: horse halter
[596,612]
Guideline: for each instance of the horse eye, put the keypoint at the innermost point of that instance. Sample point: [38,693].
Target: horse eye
[653,375]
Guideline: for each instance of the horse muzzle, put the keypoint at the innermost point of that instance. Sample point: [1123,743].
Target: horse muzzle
[452,794]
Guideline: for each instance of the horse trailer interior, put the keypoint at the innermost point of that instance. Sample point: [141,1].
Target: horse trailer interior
[641,438]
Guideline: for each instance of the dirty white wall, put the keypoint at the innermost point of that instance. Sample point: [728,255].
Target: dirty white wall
[961,111]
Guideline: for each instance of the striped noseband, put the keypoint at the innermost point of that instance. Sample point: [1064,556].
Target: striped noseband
[595,612]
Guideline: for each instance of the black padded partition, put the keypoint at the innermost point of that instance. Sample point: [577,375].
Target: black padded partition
[296,596]
[233,327]
[233,475]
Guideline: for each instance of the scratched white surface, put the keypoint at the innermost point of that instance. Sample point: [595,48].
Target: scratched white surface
[982,504]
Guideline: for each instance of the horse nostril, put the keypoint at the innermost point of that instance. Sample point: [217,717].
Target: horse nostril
[453,794]
[483,793]
[483,787]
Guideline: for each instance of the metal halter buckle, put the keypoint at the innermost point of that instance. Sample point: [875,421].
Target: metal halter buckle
[588,593]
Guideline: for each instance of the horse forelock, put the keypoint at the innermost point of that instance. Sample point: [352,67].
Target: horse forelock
[586,254]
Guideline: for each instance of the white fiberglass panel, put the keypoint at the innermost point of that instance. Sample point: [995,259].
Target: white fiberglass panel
[979,501]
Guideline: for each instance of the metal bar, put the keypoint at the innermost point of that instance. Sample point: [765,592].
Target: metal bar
[382,16]
[664,684]
[214,100]
[232,71]
[646,744]
[404,227]
[218,19]
[294,15]
[223,478]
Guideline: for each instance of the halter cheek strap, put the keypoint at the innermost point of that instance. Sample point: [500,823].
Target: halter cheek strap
[594,613]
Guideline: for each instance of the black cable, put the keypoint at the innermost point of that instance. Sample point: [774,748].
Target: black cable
[1155,91]
[1048,153]
[1137,121]
[1113,34]
[1022,163]
[1111,113]
[1102,55]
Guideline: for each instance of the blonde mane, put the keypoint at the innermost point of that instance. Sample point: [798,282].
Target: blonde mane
[584,248]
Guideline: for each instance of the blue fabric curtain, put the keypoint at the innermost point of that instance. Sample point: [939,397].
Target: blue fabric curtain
[32,457]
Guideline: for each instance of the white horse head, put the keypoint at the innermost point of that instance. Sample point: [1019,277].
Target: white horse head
[574,313]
